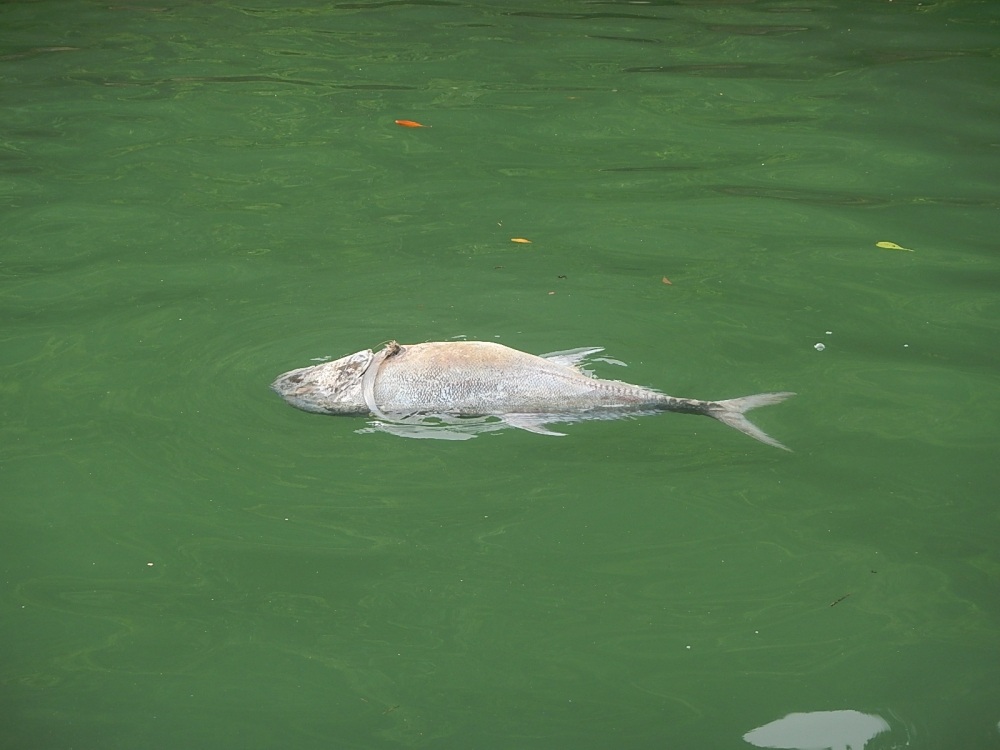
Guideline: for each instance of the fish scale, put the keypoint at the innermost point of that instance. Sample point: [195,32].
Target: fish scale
[486,378]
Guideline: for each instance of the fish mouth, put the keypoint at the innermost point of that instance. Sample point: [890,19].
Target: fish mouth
[298,394]
[288,383]
[280,387]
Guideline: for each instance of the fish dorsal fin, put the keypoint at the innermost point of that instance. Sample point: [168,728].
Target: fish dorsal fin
[572,357]
[532,423]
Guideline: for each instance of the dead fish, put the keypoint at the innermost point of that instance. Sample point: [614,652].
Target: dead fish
[483,386]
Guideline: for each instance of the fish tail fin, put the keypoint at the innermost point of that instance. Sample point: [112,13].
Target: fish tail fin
[732,413]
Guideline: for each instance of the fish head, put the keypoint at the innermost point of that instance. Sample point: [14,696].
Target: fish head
[329,388]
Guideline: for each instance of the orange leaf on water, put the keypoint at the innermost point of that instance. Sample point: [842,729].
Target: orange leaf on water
[411,124]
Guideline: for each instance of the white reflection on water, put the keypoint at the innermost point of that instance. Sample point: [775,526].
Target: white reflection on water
[819,730]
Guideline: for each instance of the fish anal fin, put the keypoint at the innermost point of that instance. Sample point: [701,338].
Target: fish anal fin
[532,423]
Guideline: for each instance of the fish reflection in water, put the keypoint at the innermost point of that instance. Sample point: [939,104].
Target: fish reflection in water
[819,730]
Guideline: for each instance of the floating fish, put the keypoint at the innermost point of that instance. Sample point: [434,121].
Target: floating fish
[419,389]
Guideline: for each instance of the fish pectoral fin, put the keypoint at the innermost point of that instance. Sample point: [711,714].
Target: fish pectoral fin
[532,423]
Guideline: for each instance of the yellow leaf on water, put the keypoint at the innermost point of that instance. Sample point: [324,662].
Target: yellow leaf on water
[520,240]
[891,246]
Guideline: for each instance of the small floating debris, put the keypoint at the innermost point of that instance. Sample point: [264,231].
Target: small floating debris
[892,246]
[411,124]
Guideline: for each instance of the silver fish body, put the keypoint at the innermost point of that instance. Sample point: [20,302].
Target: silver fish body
[407,384]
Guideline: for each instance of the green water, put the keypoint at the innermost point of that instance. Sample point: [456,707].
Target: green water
[199,196]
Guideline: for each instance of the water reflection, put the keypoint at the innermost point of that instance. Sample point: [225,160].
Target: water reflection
[819,730]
